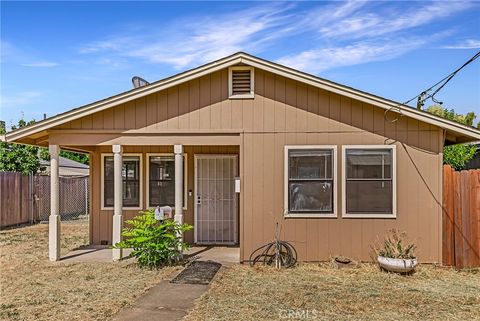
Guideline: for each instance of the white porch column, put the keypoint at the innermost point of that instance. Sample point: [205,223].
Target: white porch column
[54,219]
[178,150]
[117,200]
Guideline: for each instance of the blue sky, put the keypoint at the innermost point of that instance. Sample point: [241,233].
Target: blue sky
[60,55]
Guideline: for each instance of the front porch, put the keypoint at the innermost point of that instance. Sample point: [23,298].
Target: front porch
[197,181]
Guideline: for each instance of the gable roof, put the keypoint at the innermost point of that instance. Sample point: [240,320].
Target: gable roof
[458,132]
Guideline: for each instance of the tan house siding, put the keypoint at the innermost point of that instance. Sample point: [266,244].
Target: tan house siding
[283,112]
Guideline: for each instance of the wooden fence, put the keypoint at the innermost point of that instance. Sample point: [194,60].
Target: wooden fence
[16,202]
[26,199]
[461,218]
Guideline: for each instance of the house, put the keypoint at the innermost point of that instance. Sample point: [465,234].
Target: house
[242,143]
[66,168]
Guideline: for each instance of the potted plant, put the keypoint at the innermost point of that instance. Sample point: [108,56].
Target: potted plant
[397,255]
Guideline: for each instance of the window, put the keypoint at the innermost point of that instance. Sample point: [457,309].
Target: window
[161,180]
[369,181]
[131,174]
[310,187]
[240,82]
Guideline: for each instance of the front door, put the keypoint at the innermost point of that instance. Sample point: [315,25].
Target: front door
[215,199]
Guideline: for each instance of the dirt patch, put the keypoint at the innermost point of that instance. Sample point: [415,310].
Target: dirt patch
[198,272]
[323,292]
[33,288]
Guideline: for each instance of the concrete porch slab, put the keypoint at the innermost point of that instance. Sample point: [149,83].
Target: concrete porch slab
[221,254]
[91,254]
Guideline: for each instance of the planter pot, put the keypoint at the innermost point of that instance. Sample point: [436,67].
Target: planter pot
[397,265]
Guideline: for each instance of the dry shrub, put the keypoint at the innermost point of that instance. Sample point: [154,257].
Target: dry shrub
[395,246]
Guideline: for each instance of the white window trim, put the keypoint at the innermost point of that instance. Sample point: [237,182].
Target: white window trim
[394,182]
[102,185]
[252,83]
[185,178]
[286,212]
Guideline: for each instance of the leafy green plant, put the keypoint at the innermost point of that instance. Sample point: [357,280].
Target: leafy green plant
[458,155]
[395,246]
[154,243]
[16,157]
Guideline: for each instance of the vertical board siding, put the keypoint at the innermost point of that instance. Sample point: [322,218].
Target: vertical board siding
[285,112]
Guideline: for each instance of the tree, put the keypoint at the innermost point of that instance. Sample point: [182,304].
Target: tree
[456,155]
[25,158]
[16,157]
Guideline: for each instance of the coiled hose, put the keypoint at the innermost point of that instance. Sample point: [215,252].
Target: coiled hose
[278,253]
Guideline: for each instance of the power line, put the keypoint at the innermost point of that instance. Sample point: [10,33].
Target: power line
[449,77]
[424,94]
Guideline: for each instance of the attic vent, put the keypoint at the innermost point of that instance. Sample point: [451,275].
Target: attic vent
[241,82]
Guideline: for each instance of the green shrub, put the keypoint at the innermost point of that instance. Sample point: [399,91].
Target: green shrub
[154,243]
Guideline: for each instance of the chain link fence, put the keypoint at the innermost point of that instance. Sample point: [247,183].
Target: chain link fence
[74,197]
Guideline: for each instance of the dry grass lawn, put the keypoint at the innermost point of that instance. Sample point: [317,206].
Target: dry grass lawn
[32,288]
[320,292]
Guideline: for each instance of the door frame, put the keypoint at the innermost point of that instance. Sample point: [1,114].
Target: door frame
[195,181]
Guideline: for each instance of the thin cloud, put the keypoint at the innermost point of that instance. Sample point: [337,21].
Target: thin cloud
[318,60]
[19,99]
[363,23]
[467,44]
[343,33]
[40,64]
[206,39]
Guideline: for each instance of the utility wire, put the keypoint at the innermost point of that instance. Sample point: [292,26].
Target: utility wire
[449,77]
[423,95]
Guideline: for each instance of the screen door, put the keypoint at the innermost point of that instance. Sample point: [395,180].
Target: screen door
[215,199]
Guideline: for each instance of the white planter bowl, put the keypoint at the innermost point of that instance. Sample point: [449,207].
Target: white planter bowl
[397,265]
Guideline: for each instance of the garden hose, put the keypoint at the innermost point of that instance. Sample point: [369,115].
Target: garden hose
[279,253]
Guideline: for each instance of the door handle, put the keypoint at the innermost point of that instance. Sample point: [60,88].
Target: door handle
[199,200]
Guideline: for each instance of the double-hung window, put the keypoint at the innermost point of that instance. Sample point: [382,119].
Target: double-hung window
[161,180]
[131,178]
[310,186]
[369,184]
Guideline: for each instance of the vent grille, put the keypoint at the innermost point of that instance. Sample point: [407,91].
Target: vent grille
[241,82]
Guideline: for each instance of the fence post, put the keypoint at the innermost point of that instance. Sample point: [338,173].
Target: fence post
[85,180]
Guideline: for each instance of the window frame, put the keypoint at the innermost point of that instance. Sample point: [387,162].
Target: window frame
[392,215]
[251,95]
[140,182]
[287,213]
[185,178]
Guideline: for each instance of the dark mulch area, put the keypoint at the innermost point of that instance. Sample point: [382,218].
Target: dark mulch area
[198,272]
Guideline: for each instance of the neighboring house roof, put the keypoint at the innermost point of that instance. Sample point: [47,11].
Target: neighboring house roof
[455,132]
[67,167]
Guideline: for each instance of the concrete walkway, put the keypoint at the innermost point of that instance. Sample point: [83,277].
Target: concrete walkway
[165,301]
